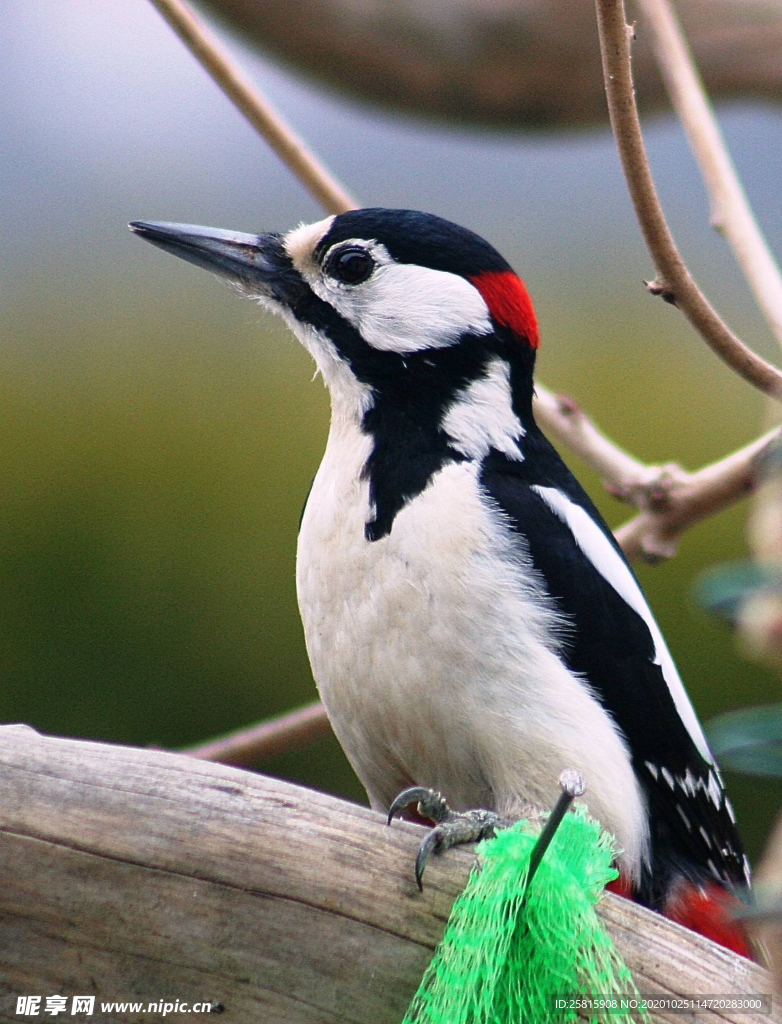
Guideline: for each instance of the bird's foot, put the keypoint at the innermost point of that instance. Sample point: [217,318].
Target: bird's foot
[451,827]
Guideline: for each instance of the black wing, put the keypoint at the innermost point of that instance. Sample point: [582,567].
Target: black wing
[693,830]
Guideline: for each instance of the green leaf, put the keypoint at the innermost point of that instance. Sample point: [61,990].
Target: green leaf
[723,590]
[749,741]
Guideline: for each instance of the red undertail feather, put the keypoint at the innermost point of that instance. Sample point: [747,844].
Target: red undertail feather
[509,303]
[705,909]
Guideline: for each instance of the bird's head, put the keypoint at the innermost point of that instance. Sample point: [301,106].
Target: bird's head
[390,303]
[423,333]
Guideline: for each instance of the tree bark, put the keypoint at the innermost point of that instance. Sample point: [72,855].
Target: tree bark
[140,875]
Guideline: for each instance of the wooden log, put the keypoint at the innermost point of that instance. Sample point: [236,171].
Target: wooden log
[527,64]
[140,875]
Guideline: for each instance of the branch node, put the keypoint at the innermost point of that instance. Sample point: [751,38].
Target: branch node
[655,550]
[655,490]
[717,221]
[568,406]
[660,287]
[656,494]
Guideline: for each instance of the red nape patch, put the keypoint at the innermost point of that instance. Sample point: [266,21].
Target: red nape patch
[706,909]
[509,303]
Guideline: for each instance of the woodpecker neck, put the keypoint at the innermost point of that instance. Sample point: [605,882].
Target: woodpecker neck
[431,408]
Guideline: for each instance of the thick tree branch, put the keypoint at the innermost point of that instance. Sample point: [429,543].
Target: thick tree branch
[146,876]
[673,280]
[258,111]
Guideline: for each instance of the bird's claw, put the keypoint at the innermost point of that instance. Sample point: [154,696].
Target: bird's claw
[451,827]
[431,843]
[431,804]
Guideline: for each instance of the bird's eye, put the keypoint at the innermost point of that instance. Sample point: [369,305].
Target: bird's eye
[351,266]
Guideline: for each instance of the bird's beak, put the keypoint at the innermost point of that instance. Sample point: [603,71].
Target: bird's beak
[257,263]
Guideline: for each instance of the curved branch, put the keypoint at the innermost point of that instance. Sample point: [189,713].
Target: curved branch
[673,281]
[731,212]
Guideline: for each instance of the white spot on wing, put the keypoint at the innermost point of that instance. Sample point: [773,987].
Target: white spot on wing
[601,553]
[482,416]
[684,817]
[747,869]
[690,784]
[715,790]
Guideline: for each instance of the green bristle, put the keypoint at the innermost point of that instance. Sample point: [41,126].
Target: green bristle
[511,950]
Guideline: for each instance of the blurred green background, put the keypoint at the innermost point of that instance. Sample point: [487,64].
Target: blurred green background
[159,434]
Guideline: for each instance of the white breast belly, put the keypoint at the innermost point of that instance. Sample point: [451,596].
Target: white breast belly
[434,650]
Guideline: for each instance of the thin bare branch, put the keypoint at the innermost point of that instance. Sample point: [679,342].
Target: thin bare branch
[563,419]
[673,280]
[670,499]
[685,499]
[267,739]
[258,111]
[731,212]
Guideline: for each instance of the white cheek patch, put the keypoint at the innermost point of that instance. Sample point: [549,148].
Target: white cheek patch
[406,308]
[600,552]
[401,307]
[482,416]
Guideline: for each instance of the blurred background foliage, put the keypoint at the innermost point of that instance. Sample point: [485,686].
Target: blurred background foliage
[159,434]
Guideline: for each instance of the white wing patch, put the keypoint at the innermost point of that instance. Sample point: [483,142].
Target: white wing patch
[598,549]
[482,416]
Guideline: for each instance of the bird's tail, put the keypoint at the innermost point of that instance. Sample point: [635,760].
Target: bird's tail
[706,908]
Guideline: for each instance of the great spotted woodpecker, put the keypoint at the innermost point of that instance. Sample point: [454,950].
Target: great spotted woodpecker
[471,622]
